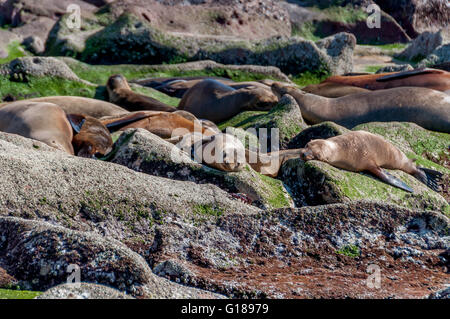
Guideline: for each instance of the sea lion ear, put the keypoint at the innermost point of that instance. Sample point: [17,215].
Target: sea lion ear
[76,121]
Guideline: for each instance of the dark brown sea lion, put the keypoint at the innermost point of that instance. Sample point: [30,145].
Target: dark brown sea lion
[429,78]
[214,101]
[120,93]
[332,90]
[425,107]
[83,105]
[48,123]
[363,151]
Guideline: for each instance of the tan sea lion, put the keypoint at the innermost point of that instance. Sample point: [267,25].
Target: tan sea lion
[333,90]
[120,93]
[361,151]
[425,107]
[48,123]
[83,105]
[429,78]
[214,101]
[164,124]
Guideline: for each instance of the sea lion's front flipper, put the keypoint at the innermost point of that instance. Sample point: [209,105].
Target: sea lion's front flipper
[76,121]
[390,179]
[405,74]
[115,123]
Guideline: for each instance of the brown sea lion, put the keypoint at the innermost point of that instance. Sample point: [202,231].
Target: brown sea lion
[269,164]
[120,93]
[429,78]
[214,101]
[425,107]
[48,123]
[333,90]
[361,151]
[83,105]
[164,124]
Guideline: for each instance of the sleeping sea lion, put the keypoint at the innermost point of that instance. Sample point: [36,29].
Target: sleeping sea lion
[214,101]
[361,151]
[48,123]
[82,105]
[332,90]
[164,124]
[120,93]
[425,107]
[429,78]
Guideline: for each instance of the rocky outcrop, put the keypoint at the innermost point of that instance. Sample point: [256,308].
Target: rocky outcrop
[63,252]
[440,56]
[395,68]
[83,291]
[418,16]
[21,68]
[130,40]
[144,152]
[285,117]
[425,44]
[316,183]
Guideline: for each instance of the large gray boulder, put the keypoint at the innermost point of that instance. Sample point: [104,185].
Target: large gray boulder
[41,255]
[83,291]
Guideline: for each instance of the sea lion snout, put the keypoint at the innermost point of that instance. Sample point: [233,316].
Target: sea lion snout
[306,154]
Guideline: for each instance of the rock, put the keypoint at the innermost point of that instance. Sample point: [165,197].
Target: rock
[34,44]
[425,44]
[442,294]
[62,251]
[417,16]
[284,253]
[129,40]
[6,38]
[286,117]
[440,56]
[395,68]
[316,183]
[145,152]
[6,280]
[21,68]
[250,19]
[83,291]
[256,70]
[323,131]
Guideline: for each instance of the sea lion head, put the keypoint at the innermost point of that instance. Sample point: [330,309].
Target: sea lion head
[116,82]
[258,99]
[91,136]
[222,151]
[319,149]
[280,89]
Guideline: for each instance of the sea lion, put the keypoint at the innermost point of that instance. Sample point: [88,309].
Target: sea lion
[164,124]
[48,123]
[425,107]
[214,101]
[177,88]
[269,164]
[429,78]
[332,90]
[120,93]
[82,105]
[157,82]
[361,151]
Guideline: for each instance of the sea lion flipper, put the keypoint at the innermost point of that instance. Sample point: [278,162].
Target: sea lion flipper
[390,179]
[116,123]
[76,121]
[405,74]
[429,177]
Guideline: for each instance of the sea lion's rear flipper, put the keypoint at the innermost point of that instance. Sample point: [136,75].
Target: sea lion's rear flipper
[76,121]
[390,179]
[429,177]
[405,74]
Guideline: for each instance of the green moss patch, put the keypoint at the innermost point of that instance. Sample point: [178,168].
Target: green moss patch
[350,251]
[45,86]
[15,50]
[18,294]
